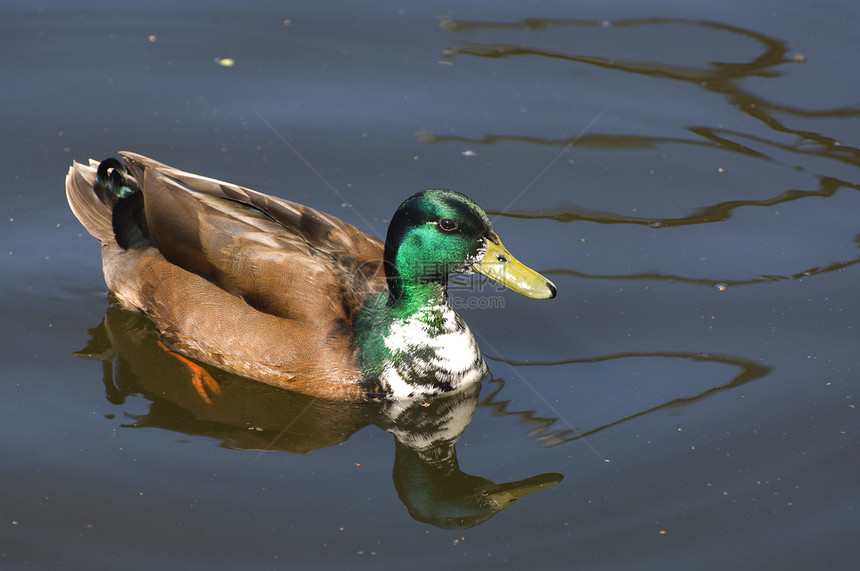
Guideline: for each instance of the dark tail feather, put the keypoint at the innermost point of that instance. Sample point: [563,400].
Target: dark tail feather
[114,187]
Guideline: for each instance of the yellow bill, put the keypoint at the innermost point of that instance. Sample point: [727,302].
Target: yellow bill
[499,265]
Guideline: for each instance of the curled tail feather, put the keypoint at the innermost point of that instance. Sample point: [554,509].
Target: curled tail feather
[108,202]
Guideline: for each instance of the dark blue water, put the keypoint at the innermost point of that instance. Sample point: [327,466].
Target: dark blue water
[687,175]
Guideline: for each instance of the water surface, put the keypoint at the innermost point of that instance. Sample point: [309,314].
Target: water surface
[686,175]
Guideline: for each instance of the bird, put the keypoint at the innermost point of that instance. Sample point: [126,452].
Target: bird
[281,293]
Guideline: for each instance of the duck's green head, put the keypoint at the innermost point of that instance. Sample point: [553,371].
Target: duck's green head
[438,232]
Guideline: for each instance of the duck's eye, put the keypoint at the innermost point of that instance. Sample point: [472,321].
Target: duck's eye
[447,225]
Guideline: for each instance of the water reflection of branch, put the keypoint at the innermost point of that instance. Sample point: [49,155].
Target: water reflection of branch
[720,212]
[773,53]
[709,282]
[714,138]
[596,141]
[749,371]
[717,77]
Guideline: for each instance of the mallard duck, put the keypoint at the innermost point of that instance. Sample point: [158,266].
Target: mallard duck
[279,292]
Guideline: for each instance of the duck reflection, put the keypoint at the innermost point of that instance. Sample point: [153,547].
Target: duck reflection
[427,475]
[249,415]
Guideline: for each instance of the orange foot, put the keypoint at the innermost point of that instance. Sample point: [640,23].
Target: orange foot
[203,382]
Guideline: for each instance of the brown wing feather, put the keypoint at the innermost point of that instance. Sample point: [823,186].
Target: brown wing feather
[294,261]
